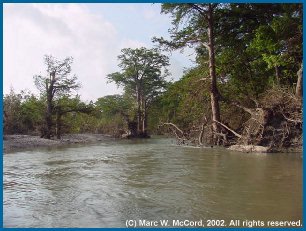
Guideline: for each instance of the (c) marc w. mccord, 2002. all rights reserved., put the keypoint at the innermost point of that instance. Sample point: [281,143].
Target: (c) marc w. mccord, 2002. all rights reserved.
[210,223]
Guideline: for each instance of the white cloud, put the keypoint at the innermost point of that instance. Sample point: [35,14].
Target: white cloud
[33,30]
[150,13]
[93,34]
[128,43]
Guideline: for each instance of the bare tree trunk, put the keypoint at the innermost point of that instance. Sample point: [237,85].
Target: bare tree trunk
[299,84]
[214,94]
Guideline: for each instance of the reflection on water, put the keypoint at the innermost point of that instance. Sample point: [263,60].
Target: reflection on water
[105,184]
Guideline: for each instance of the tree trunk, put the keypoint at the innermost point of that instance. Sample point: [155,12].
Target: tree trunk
[58,124]
[138,108]
[132,126]
[214,94]
[299,84]
[48,116]
[144,122]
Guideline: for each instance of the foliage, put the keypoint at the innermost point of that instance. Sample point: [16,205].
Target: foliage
[116,113]
[57,79]
[261,49]
[142,75]
[112,105]
[22,112]
[261,42]
[248,61]
[55,84]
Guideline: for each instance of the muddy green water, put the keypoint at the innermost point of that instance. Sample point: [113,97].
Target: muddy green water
[103,185]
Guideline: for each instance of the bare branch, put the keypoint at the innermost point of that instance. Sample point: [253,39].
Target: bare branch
[176,127]
[297,121]
[231,130]
[199,9]
[248,110]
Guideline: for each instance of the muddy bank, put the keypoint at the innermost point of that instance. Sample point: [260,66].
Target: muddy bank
[18,142]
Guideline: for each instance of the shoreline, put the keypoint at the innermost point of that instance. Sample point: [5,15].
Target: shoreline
[19,142]
[12,143]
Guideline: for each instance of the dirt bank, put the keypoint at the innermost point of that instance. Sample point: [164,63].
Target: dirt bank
[18,142]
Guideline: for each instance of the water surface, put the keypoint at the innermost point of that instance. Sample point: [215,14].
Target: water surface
[103,185]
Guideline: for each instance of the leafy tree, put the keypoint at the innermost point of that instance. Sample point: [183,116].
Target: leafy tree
[65,105]
[12,112]
[115,104]
[142,75]
[122,107]
[194,25]
[280,43]
[262,43]
[32,113]
[56,83]
[22,113]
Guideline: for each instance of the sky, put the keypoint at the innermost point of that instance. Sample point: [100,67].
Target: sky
[93,34]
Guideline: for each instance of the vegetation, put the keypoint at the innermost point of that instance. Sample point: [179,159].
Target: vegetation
[256,54]
[246,87]
[56,84]
[143,76]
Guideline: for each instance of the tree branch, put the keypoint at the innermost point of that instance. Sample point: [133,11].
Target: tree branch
[232,131]
[176,127]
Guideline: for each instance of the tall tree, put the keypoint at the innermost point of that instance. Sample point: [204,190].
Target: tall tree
[143,73]
[193,24]
[56,83]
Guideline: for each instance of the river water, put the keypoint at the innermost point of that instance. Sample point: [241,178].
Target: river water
[103,185]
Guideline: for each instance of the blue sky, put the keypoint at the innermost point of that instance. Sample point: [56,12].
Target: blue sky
[92,33]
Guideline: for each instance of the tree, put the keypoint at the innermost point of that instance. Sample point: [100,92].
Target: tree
[143,73]
[193,24]
[32,113]
[280,43]
[246,47]
[12,113]
[56,83]
[262,47]
[66,105]
[22,113]
[122,106]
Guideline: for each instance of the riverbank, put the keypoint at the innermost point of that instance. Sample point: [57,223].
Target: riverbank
[18,142]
